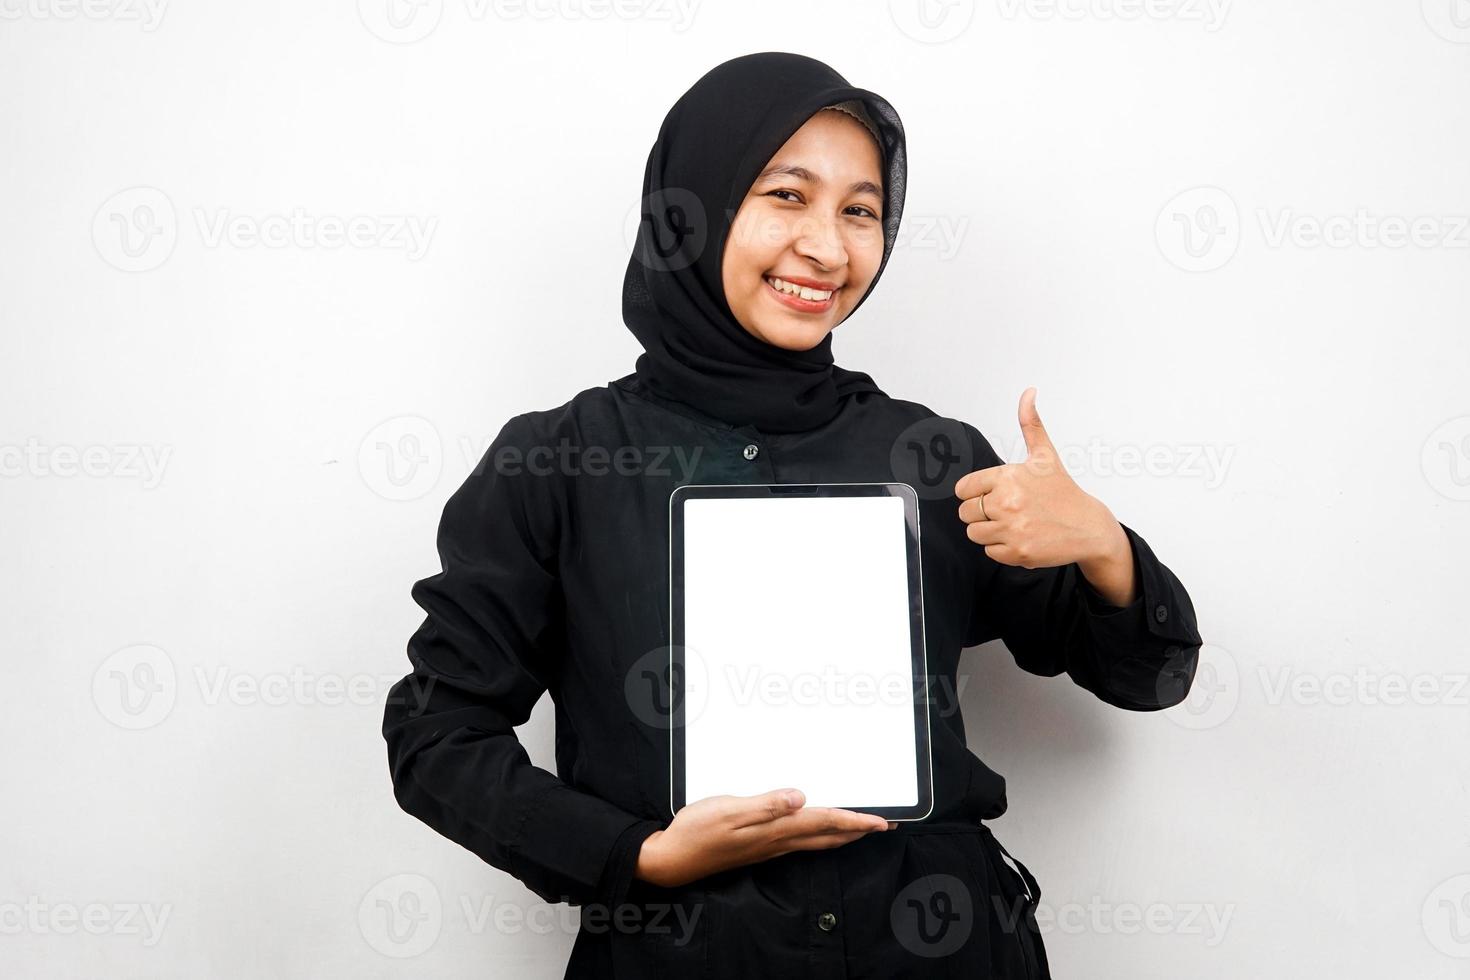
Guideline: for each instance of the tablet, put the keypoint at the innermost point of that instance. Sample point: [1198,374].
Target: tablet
[797,653]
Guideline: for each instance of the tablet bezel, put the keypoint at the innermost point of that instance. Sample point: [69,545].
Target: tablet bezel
[924,766]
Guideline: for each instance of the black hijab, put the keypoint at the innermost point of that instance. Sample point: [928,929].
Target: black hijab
[713,143]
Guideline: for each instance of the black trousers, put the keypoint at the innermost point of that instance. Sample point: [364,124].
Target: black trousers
[1017,952]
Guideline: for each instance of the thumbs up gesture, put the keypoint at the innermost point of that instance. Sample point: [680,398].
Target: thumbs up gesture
[1033,514]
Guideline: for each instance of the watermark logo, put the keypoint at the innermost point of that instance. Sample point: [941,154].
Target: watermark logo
[932,21]
[1199,229]
[678,13]
[406,233]
[301,687]
[567,458]
[1098,917]
[135,687]
[663,691]
[931,455]
[136,229]
[667,230]
[932,916]
[400,21]
[1205,462]
[1446,917]
[408,21]
[145,463]
[1450,19]
[1214,693]
[147,14]
[401,458]
[1363,686]
[40,918]
[1209,13]
[1445,459]
[942,234]
[401,916]
[1362,229]
[677,921]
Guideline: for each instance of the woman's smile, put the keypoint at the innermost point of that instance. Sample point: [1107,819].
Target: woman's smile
[802,295]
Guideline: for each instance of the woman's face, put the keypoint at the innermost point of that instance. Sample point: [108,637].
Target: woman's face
[812,219]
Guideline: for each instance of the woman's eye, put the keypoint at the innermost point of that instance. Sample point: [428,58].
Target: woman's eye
[862,210]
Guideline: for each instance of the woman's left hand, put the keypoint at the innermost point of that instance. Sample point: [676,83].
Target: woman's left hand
[1033,514]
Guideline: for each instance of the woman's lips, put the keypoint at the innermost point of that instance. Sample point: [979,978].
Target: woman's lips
[799,304]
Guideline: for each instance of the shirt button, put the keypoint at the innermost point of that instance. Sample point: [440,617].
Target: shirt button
[751,451]
[1161,613]
[827,921]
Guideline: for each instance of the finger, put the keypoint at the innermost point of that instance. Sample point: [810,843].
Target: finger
[1003,553]
[1031,428]
[986,533]
[859,820]
[975,483]
[823,820]
[985,508]
[776,804]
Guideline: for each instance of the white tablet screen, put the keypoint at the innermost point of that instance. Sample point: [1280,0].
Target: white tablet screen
[798,658]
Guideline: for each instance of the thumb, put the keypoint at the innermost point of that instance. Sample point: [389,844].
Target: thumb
[1031,428]
[782,801]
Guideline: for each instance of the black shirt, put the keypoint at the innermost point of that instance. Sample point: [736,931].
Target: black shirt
[555,573]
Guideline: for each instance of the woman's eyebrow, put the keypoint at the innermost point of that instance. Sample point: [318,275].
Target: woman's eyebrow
[802,173]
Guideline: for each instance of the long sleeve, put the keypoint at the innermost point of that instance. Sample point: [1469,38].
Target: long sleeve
[1141,656]
[491,643]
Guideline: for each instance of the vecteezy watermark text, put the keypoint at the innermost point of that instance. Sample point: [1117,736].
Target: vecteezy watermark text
[570,459]
[127,461]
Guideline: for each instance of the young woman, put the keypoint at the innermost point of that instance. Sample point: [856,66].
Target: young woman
[771,201]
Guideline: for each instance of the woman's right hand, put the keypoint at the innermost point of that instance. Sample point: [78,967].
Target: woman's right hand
[723,832]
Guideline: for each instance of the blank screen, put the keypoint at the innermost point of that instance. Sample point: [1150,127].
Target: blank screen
[798,657]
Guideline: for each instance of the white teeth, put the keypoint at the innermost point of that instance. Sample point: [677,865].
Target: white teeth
[817,295]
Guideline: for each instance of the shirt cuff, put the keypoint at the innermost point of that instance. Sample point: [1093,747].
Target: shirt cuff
[1160,615]
[622,862]
[1099,607]
[566,839]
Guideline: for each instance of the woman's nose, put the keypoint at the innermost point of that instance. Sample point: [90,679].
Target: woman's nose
[820,241]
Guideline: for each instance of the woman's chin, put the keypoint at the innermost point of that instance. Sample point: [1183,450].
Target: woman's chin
[794,336]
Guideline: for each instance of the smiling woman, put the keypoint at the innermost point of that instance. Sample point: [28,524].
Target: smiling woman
[770,205]
[771,165]
[808,238]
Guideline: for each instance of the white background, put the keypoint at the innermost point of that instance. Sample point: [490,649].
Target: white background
[1117,209]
